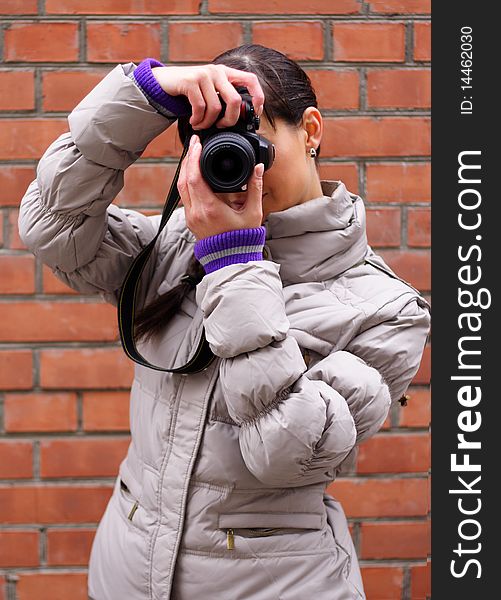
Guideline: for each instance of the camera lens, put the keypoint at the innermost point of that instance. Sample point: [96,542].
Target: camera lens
[227,161]
[227,166]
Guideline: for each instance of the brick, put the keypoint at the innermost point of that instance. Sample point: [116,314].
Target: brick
[53,503]
[422,41]
[414,266]
[346,172]
[19,548]
[52,586]
[420,581]
[16,459]
[41,42]
[17,504]
[88,457]
[3,591]
[383,583]
[348,137]
[369,42]
[28,138]
[398,182]
[387,423]
[63,90]
[69,547]
[17,90]
[52,285]
[399,88]
[202,41]
[40,412]
[395,7]
[167,144]
[15,242]
[146,185]
[289,7]
[336,90]
[407,453]
[395,540]
[407,497]
[383,226]
[14,182]
[18,7]
[122,42]
[58,322]
[18,274]
[417,412]
[299,40]
[16,370]
[424,372]
[122,7]
[151,212]
[85,368]
[419,227]
[106,411]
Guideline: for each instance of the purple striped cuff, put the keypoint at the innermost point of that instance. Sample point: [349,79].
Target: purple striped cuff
[143,75]
[230,247]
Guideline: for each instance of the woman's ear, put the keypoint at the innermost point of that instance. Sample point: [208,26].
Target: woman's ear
[313,127]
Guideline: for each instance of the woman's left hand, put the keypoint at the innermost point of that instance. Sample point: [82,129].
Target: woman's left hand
[206,214]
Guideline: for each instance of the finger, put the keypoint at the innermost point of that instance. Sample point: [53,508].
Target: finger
[251,82]
[182,185]
[254,199]
[212,104]
[233,102]
[197,186]
[197,102]
[254,202]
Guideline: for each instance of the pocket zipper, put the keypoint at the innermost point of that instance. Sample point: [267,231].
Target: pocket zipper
[135,506]
[257,532]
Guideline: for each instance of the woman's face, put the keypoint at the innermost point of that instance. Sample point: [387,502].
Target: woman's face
[292,178]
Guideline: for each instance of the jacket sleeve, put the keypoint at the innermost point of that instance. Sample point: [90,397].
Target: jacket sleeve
[297,425]
[66,216]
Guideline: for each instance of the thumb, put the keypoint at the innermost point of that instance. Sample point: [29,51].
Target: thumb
[259,170]
[256,182]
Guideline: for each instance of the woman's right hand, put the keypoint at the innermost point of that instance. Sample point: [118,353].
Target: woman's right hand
[201,85]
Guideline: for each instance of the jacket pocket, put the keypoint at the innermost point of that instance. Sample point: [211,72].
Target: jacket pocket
[266,524]
[129,498]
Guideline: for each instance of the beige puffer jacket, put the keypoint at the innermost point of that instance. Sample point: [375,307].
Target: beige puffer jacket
[222,492]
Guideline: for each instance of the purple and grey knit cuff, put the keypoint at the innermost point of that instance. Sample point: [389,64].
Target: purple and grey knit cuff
[158,97]
[230,247]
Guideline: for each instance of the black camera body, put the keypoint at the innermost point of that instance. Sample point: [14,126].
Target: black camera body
[230,154]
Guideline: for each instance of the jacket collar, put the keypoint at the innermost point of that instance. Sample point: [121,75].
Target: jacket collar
[320,238]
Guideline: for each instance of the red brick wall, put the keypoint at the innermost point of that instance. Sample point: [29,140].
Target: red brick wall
[63,376]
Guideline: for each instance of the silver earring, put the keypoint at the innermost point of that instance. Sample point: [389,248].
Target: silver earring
[313,152]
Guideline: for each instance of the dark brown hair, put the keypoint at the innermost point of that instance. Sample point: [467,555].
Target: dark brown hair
[288,91]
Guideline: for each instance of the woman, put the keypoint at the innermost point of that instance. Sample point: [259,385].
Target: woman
[222,492]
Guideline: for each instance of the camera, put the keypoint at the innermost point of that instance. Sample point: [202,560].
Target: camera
[230,154]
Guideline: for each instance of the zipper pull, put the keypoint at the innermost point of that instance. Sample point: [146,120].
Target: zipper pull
[133,510]
[230,540]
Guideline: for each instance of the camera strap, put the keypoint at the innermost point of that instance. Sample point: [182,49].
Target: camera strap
[203,355]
